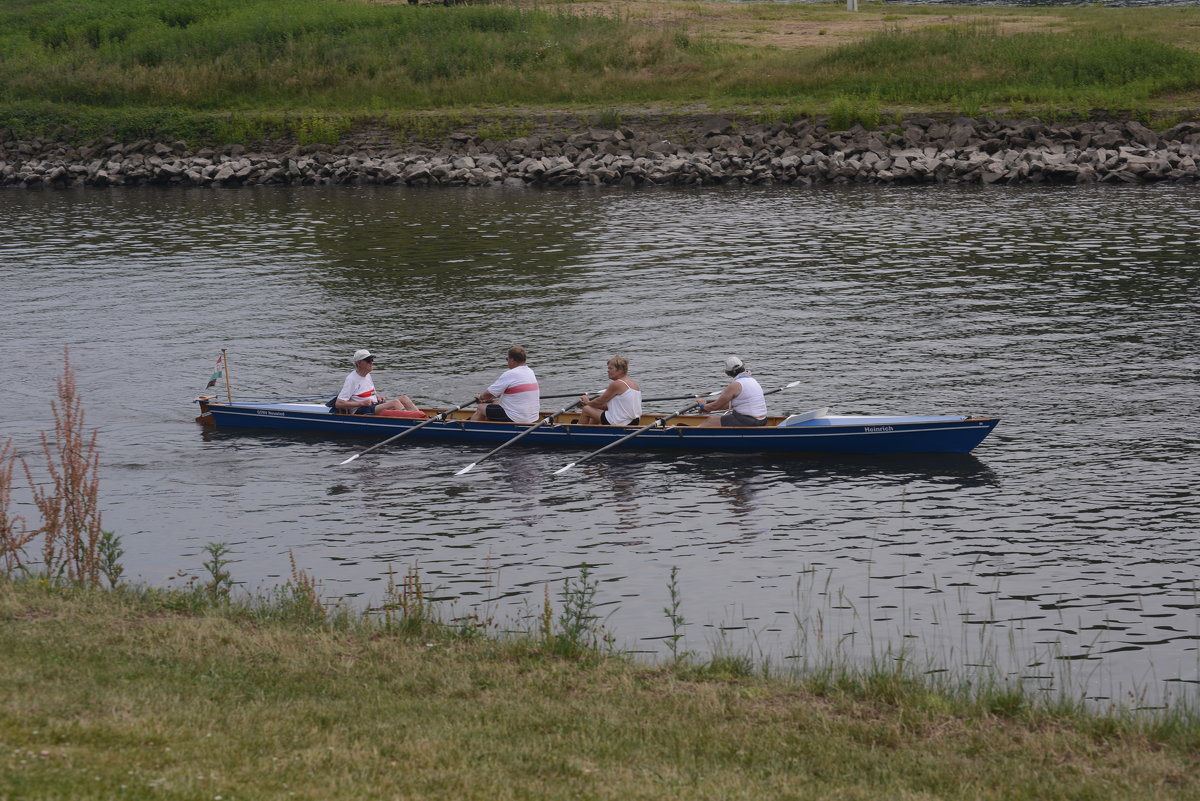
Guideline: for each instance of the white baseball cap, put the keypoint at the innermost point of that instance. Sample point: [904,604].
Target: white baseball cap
[733,365]
[363,355]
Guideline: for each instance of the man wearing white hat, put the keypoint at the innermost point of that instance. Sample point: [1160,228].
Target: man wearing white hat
[743,398]
[358,395]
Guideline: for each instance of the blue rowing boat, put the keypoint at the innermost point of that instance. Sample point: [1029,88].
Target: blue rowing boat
[811,432]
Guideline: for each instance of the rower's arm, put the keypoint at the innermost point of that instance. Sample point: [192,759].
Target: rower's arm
[601,400]
[723,400]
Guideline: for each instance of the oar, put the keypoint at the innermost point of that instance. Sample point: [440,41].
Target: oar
[407,431]
[527,431]
[680,397]
[558,397]
[659,422]
[644,400]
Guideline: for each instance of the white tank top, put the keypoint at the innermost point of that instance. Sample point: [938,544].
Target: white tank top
[625,407]
[750,400]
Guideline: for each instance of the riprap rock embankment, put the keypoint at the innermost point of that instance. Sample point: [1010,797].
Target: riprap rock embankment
[712,150]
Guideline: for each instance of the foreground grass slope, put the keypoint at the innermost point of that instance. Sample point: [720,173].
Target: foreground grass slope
[134,694]
[171,66]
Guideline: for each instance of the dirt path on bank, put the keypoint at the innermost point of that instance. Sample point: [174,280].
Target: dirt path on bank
[796,26]
[791,26]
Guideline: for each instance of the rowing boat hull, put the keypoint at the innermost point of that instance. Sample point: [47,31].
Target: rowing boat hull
[868,435]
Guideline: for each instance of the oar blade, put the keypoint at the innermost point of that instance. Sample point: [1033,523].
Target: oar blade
[562,470]
[348,461]
[466,469]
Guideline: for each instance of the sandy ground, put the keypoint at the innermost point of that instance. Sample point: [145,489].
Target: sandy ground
[788,25]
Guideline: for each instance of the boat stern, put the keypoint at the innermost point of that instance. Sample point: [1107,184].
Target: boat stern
[205,418]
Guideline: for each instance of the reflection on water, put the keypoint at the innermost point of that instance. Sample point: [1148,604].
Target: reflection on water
[1064,551]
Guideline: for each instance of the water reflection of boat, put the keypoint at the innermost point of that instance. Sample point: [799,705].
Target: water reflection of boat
[813,433]
[525,474]
[739,478]
[949,469]
[952,470]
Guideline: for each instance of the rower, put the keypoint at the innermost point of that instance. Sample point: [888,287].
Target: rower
[358,395]
[620,404]
[743,397]
[514,396]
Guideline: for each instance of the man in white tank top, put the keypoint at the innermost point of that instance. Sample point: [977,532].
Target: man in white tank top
[743,398]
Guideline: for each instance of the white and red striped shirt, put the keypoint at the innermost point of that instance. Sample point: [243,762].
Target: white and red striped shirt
[358,388]
[516,391]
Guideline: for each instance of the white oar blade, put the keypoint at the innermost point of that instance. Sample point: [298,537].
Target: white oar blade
[793,384]
[466,469]
[562,470]
[348,461]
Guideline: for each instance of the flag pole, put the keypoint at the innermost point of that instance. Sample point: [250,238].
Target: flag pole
[228,391]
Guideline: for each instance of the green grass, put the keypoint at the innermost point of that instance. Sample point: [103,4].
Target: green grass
[324,54]
[312,69]
[940,65]
[153,694]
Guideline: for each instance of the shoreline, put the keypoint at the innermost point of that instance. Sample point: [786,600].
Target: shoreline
[187,693]
[701,150]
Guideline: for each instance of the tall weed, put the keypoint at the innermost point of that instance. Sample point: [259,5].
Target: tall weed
[220,579]
[69,502]
[14,533]
[580,631]
[110,557]
[406,606]
[674,614]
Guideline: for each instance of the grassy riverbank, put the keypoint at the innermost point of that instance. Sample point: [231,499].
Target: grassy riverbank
[316,69]
[152,694]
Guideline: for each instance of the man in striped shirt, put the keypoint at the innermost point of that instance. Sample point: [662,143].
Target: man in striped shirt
[514,396]
[358,395]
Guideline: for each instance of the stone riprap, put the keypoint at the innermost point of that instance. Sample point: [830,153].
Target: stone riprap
[714,150]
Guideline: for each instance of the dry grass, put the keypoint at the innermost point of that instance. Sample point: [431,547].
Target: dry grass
[789,26]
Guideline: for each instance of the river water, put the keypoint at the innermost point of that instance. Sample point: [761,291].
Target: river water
[1063,553]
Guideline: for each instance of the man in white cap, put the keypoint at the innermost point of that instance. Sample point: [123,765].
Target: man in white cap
[358,395]
[743,398]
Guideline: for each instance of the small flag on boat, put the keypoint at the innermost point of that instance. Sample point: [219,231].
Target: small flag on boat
[220,371]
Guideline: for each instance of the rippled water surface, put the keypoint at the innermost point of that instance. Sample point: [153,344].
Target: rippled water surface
[1064,550]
